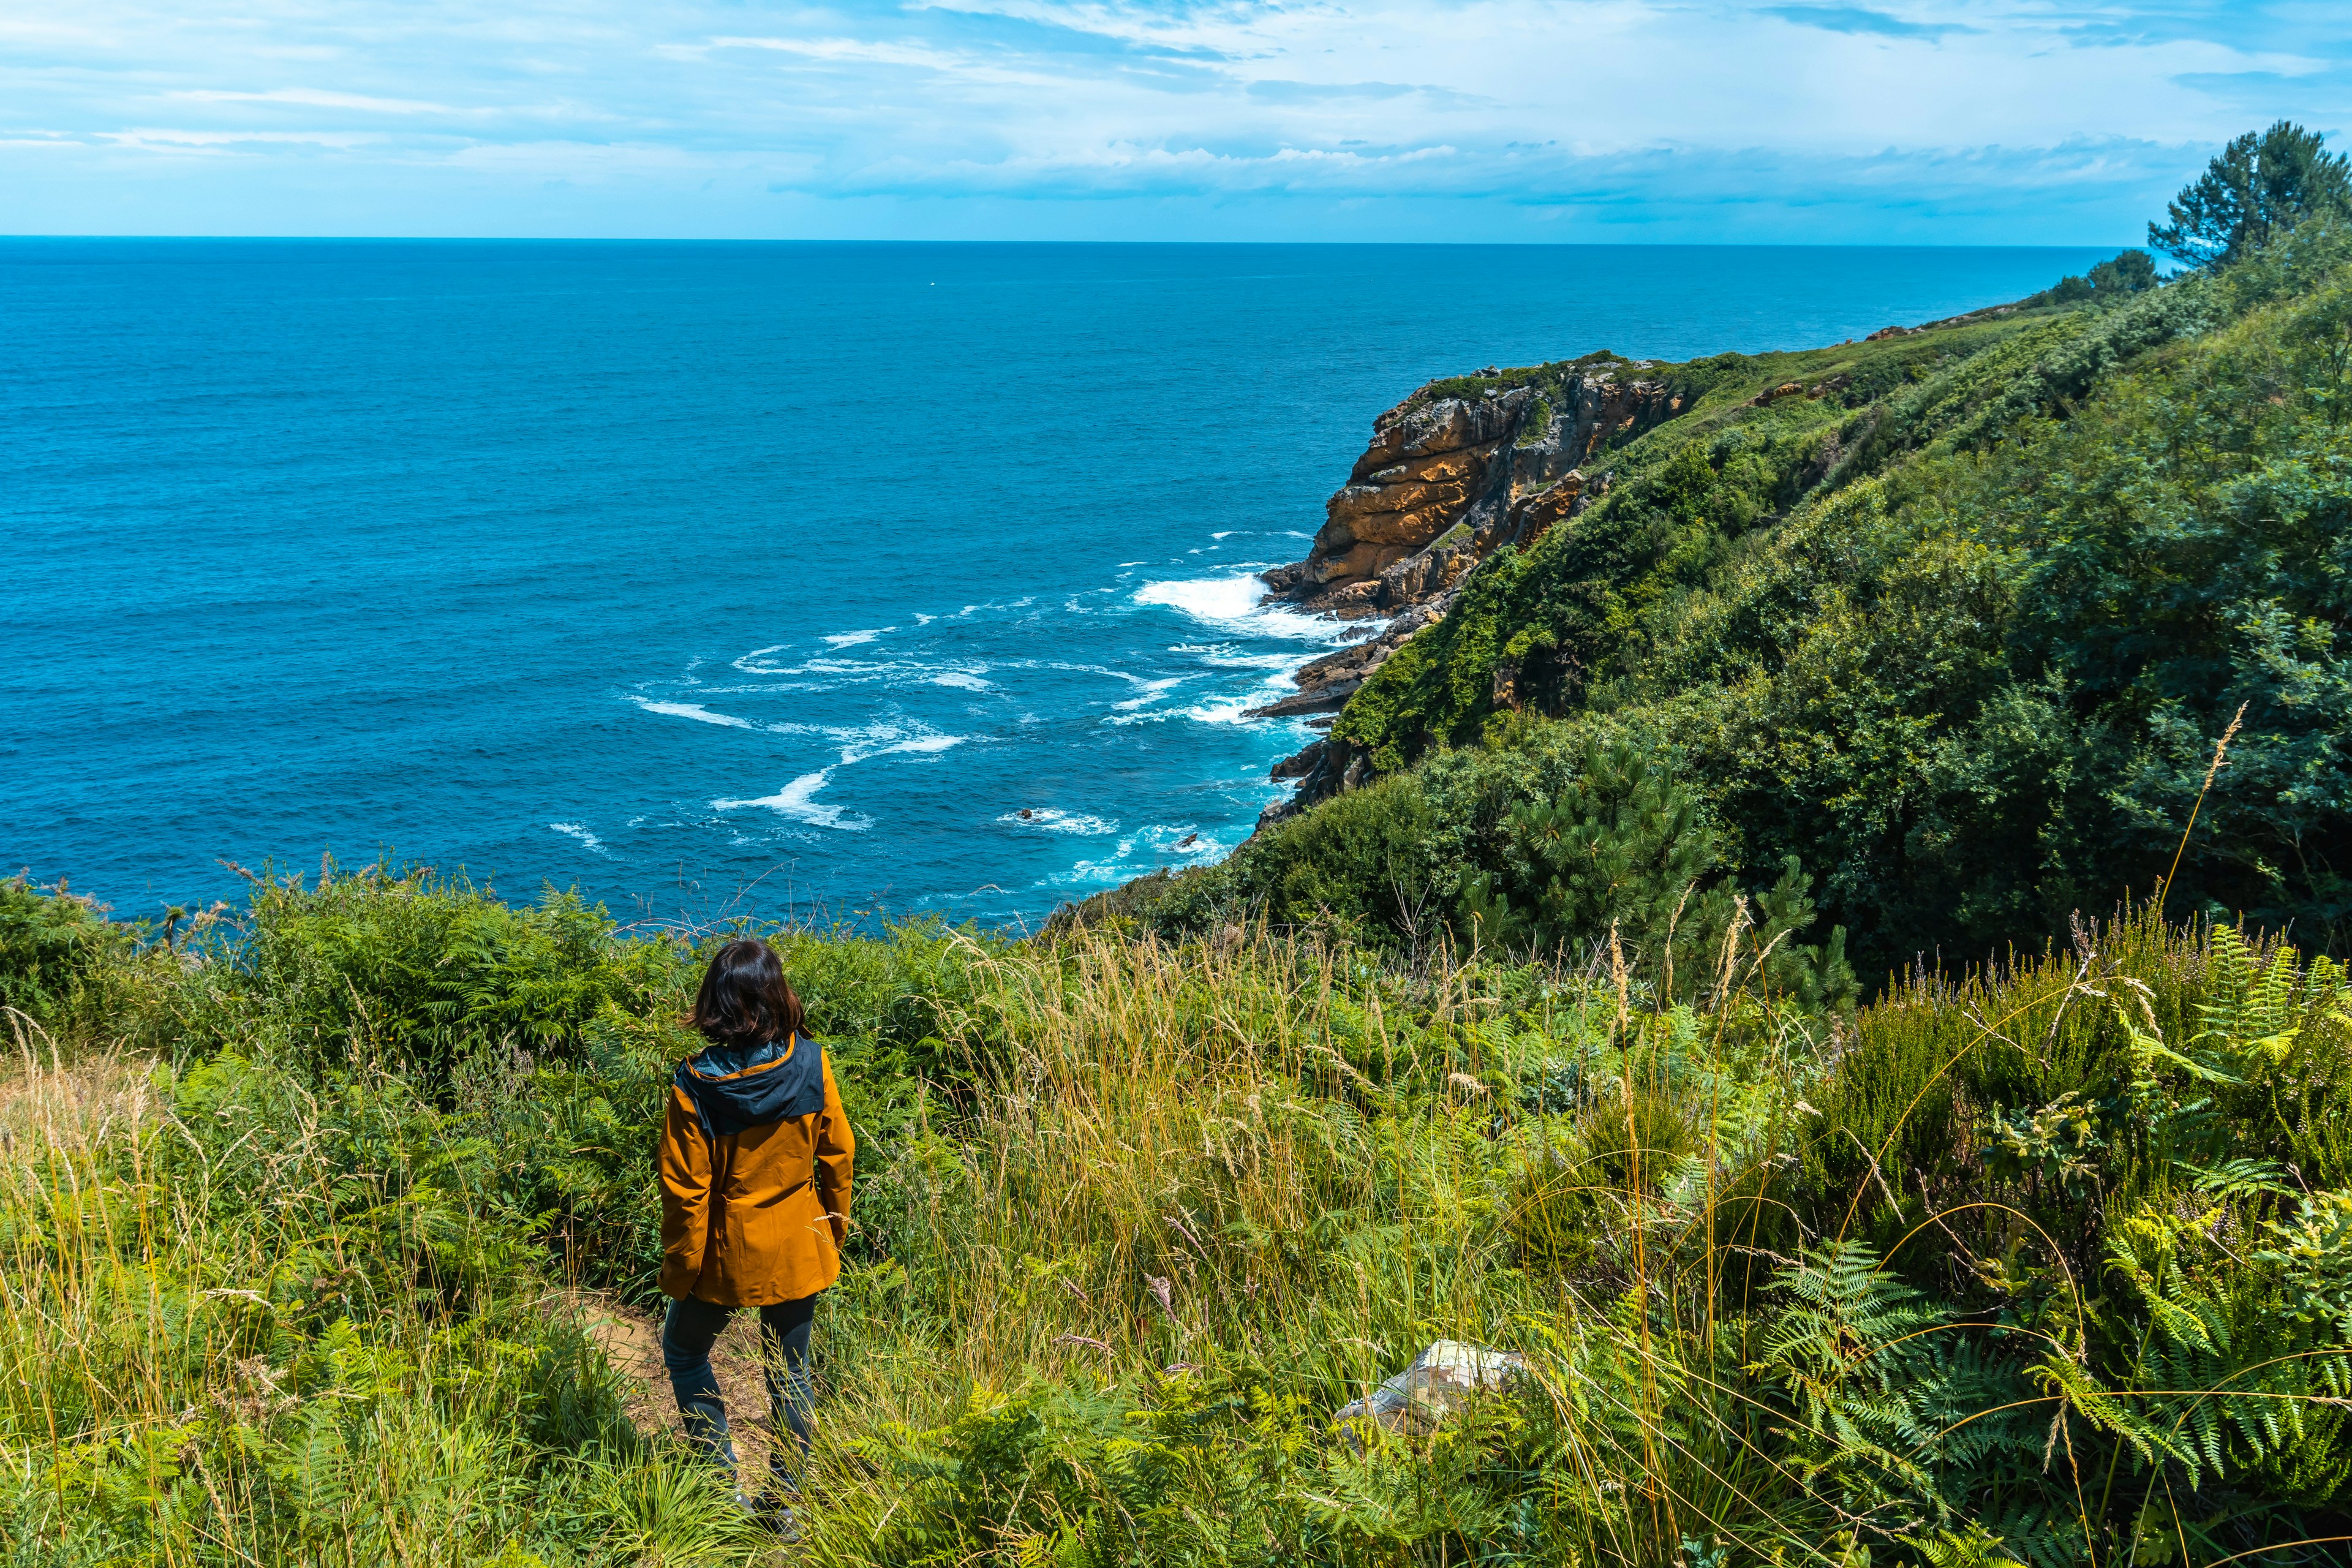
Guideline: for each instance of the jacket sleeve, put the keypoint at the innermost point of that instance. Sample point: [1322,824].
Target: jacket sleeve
[685,1166]
[836,1154]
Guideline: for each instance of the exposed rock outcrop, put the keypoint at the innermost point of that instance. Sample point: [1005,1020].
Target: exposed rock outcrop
[1446,482]
[1440,487]
[1326,684]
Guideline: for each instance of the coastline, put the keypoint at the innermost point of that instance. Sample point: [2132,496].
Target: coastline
[1464,467]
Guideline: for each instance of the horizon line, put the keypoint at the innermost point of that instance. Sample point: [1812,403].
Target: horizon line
[1200,243]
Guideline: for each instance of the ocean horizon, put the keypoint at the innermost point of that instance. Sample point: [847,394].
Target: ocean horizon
[808,579]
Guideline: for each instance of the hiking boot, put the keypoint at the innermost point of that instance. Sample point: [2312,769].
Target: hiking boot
[773,1509]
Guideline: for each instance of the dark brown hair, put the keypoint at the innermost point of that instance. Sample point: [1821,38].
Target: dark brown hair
[745,998]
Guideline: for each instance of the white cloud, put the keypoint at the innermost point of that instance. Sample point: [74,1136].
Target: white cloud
[1528,118]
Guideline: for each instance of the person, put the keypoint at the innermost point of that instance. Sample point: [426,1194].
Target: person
[755,1166]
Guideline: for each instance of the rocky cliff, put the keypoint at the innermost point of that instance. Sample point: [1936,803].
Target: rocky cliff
[1453,474]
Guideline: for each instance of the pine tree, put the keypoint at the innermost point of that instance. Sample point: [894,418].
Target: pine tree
[2257,185]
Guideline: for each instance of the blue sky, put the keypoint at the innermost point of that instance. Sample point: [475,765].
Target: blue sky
[1495,120]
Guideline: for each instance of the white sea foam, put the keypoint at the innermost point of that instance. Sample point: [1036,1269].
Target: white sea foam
[1229,658]
[695,710]
[1055,821]
[587,839]
[1098,669]
[1227,534]
[1217,710]
[923,620]
[829,672]
[798,801]
[926,745]
[1231,603]
[1149,692]
[1160,844]
[889,738]
[748,663]
[1225,711]
[852,639]
[961,682]
[1168,839]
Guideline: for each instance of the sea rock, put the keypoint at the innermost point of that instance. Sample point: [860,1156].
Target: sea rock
[1444,484]
[1532,517]
[1282,579]
[1429,572]
[1453,461]
[1424,1397]
[1322,699]
[1358,559]
[1448,425]
[1299,766]
[1275,810]
[1354,502]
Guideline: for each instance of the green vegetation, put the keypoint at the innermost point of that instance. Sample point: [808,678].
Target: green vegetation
[307,1224]
[319,1217]
[2256,187]
[1944,645]
[2132,272]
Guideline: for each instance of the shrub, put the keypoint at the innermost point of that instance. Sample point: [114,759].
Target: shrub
[54,948]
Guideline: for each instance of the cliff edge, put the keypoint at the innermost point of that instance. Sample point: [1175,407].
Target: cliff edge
[1457,471]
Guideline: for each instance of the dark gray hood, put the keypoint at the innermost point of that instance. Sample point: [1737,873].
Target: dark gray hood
[735,1086]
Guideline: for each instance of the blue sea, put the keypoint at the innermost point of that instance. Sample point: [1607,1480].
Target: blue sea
[809,581]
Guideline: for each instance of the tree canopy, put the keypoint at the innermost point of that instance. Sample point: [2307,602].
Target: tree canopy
[2255,187]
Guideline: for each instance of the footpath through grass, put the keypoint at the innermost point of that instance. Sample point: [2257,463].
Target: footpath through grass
[2050,1265]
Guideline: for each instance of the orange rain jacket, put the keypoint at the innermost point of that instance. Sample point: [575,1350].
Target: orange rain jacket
[758,1217]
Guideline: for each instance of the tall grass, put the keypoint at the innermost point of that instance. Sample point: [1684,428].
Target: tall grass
[240,1324]
[2045,1262]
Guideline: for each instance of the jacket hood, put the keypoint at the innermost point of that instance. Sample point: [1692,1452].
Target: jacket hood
[738,1086]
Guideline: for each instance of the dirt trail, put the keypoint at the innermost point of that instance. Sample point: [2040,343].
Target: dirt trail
[630,1338]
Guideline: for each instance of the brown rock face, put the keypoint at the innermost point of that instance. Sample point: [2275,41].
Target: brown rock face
[1387,541]
[1357,503]
[1532,517]
[1442,487]
[1449,425]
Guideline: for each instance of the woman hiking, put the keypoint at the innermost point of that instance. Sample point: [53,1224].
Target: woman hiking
[755,1170]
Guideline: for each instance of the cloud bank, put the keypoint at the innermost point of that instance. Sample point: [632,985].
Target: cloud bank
[1536,119]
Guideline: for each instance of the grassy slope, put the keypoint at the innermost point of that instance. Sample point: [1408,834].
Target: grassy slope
[292,1222]
[1962,647]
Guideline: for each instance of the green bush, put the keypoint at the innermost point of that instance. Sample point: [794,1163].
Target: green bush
[2000,1267]
[54,948]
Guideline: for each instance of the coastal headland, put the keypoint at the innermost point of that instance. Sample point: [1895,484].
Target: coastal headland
[1800,1017]
[1469,464]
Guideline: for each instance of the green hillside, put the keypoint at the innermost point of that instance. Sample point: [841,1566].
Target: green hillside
[326,1230]
[1953,623]
[329,1225]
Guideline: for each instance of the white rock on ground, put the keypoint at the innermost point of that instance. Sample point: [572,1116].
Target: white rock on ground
[1440,1381]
